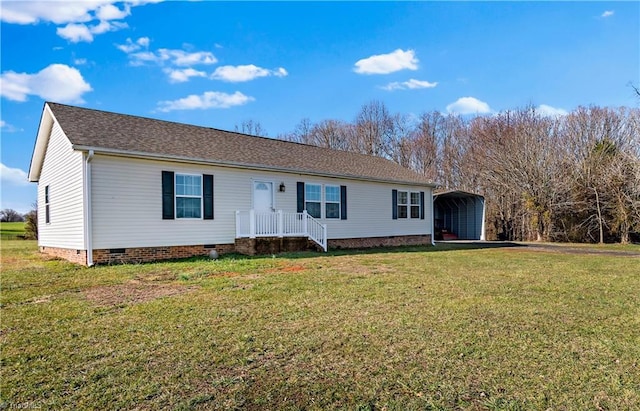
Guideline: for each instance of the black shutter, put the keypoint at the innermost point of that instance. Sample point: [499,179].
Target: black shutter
[207,196]
[300,196]
[421,205]
[343,202]
[394,204]
[168,212]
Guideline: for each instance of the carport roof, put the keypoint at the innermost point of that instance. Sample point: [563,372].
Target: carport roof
[456,194]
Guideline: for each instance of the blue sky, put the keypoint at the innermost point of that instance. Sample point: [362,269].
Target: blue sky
[218,64]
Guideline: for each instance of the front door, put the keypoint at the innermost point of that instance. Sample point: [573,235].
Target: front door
[262,196]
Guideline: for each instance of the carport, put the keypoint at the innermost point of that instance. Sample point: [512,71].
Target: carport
[458,215]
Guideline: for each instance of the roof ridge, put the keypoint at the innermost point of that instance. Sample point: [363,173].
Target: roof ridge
[369,156]
[90,127]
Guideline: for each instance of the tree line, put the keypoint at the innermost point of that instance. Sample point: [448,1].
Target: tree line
[573,177]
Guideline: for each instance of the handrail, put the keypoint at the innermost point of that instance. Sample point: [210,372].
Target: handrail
[254,224]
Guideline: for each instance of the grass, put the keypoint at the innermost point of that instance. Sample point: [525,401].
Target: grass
[10,231]
[495,329]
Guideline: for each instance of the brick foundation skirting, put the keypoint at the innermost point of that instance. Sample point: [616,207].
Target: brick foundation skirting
[73,255]
[371,242]
[248,246]
[149,254]
[136,255]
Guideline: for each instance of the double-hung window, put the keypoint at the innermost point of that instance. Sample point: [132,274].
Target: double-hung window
[47,214]
[313,199]
[332,201]
[322,200]
[407,204]
[188,196]
[415,205]
[403,200]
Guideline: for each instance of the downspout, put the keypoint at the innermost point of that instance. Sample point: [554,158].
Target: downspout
[88,231]
[431,218]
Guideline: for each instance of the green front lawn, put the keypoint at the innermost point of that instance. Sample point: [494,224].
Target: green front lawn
[500,328]
[10,231]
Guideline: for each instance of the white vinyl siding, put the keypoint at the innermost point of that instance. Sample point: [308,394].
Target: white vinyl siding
[127,212]
[62,173]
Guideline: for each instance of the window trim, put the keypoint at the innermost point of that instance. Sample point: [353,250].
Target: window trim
[176,195]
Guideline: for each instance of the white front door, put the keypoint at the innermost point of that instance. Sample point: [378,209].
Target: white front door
[262,196]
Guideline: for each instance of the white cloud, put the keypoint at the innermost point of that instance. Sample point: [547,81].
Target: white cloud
[143,41]
[179,61]
[183,75]
[105,26]
[80,62]
[236,74]
[411,84]
[183,58]
[14,176]
[130,46]
[8,128]
[387,63]
[141,57]
[170,56]
[29,12]
[111,12]
[468,105]
[75,16]
[56,82]
[76,33]
[210,99]
[549,111]
[607,13]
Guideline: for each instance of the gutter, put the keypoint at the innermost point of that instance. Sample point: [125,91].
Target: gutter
[88,229]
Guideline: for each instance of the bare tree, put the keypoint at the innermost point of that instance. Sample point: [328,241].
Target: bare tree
[330,134]
[373,127]
[568,178]
[251,127]
[401,145]
[9,215]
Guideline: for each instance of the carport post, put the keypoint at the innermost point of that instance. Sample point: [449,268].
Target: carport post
[483,237]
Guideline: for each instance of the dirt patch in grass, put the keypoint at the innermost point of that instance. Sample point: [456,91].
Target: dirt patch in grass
[293,268]
[133,292]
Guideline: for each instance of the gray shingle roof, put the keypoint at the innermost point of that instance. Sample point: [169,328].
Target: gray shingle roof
[100,130]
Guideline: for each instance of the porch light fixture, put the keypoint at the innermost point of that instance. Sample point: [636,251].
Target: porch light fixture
[282,187]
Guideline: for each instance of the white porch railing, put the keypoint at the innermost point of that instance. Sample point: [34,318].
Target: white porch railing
[254,224]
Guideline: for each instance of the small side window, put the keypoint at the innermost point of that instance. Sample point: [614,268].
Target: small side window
[47,215]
